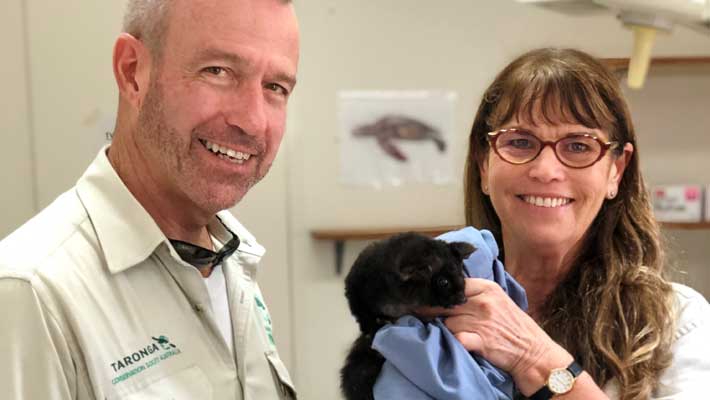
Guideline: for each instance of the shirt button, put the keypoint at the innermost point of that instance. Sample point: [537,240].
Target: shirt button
[198,308]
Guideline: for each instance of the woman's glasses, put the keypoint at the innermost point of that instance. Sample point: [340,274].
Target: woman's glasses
[577,150]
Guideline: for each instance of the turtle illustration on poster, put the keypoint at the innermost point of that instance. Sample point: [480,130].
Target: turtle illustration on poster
[392,138]
[388,129]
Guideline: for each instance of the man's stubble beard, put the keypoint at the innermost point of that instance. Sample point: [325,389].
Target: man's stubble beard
[172,149]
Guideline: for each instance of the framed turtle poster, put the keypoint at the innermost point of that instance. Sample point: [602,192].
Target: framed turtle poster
[391,138]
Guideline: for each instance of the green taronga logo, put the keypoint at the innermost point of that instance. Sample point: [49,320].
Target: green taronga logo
[267,319]
[147,357]
[164,342]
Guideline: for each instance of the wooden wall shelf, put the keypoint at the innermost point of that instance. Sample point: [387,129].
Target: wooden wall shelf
[340,236]
[622,64]
[377,233]
[686,225]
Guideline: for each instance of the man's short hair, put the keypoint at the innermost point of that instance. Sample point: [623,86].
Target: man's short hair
[148,21]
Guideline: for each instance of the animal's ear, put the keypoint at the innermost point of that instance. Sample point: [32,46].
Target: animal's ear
[462,249]
[411,271]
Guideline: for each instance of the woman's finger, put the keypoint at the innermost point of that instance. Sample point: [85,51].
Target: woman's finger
[477,286]
[460,323]
[470,341]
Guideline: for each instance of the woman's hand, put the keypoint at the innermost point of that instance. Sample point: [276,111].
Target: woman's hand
[493,326]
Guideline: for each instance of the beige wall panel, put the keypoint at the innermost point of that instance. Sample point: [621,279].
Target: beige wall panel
[73,91]
[16,173]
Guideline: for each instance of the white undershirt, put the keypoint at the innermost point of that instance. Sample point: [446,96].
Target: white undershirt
[217,289]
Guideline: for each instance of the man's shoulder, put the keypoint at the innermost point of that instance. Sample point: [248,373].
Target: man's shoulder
[34,245]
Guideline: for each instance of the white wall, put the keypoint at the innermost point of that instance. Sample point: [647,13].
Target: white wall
[399,44]
[366,44]
[17,200]
[73,91]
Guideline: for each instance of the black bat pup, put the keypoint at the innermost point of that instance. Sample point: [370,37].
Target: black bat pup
[392,278]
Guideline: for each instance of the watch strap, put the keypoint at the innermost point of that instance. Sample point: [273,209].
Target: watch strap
[575,369]
[545,393]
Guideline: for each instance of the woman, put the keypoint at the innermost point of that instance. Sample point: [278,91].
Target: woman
[553,172]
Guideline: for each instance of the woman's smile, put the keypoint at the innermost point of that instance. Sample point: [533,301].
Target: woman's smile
[546,201]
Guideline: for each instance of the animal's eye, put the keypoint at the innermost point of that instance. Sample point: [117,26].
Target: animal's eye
[442,282]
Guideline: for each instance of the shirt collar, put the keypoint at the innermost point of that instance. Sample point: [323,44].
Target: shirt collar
[247,241]
[126,232]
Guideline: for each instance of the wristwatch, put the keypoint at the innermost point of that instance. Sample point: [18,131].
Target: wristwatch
[560,381]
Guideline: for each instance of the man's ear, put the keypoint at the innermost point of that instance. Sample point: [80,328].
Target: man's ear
[131,68]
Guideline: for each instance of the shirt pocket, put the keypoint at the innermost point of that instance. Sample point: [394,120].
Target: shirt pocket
[281,377]
[187,384]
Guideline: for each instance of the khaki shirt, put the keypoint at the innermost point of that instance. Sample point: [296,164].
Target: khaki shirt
[96,304]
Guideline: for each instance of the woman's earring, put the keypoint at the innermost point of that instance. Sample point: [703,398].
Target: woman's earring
[611,194]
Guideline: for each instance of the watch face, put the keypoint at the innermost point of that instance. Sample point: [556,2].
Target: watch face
[561,381]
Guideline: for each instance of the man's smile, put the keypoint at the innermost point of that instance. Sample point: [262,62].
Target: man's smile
[236,157]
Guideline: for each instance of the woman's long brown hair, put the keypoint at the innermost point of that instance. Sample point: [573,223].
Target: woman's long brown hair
[613,312]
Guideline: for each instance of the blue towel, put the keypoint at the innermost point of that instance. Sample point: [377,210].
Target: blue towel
[426,361]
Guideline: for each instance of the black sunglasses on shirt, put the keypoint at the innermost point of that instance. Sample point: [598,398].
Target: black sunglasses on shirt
[198,256]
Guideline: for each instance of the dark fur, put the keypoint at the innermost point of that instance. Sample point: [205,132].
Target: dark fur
[391,278]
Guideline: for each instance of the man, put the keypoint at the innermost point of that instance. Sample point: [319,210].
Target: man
[134,284]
